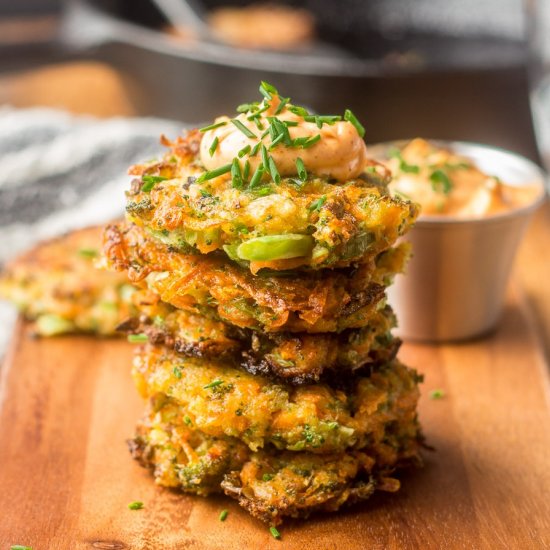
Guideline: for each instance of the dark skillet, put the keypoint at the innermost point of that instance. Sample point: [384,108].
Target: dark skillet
[361,61]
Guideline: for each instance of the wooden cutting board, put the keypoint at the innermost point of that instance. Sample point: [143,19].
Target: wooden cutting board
[68,404]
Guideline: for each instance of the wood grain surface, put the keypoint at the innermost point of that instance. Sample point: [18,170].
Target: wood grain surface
[68,404]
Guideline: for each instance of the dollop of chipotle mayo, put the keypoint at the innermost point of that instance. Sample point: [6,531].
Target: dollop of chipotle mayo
[340,154]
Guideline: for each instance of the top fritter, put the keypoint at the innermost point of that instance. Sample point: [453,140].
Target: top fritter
[274,187]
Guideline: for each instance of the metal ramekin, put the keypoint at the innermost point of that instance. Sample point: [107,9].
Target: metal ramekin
[455,283]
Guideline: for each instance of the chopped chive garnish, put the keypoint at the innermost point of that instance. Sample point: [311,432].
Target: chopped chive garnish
[257,113]
[88,252]
[297,110]
[19,547]
[350,117]
[214,173]
[213,147]
[255,149]
[236,177]
[273,170]
[150,181]
[441,182]
[177,372]
[316,204]
[276,141]
[295,181]
[276,127]
[137,338]
[265,158]
[213,126]
[244,151]
[289,123]
[457,166]
[246,131]
[258,123]
[213,384]
[267,90]
[246,170]
[282,105]
[268,131]
[223,515]
[394,152]
[267,477]
[263,191]
[257,176]
[437,394]
[187,420]
[245,107]
[136,505]
[205,194]
[302,172]
[404,166]
[275,533]
[305,142]
[320,120]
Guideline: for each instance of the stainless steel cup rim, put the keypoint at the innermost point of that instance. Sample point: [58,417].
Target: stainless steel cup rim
[485,156]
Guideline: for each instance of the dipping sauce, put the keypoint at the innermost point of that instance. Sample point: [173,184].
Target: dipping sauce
[447,184]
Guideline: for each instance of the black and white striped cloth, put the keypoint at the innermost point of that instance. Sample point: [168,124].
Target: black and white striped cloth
[60,172]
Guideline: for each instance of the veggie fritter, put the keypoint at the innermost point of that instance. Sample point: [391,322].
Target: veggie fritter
[56,285]
[214,286]
[222,400]
[316,223]
[182,456]
[296,357]
[270,484]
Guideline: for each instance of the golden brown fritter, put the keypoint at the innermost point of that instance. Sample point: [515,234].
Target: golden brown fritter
[222,400]
[297,358]
[181,456]
[57,286]
[211,285]
[315,224]
[270,484]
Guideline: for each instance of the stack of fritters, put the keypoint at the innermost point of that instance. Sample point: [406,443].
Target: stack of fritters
[270,369]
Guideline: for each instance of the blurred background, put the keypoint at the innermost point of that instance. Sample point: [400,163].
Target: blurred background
[451,69]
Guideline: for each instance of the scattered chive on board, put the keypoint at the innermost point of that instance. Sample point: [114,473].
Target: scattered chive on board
[275,533]
[135,505]
[88,252]
[137,338]
[437,394]
[223,515]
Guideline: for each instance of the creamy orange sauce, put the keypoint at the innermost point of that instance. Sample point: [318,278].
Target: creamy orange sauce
[340,153]
[444,183]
